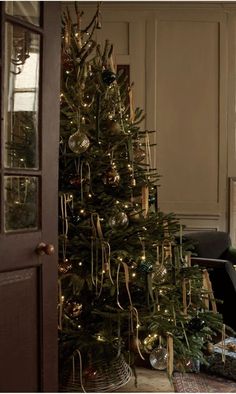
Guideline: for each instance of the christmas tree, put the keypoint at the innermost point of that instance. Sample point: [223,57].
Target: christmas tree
[126,286]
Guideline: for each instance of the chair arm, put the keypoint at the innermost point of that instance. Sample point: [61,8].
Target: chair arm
[207,262]
[223,267]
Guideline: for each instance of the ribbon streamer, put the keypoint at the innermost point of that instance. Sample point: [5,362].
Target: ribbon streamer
[145,202]
[80,369]
[148,151]
[134,310]
[209,297]
[184,296]
[170,355]
[131,105]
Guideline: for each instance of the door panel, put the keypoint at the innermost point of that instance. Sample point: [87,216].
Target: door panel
[30,90]
[19,323]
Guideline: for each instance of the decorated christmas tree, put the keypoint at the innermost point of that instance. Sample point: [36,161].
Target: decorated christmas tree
[127,289]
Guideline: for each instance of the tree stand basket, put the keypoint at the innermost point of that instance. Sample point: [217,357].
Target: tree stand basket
[101,376]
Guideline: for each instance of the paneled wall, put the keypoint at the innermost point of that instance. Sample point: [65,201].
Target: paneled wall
[182,61]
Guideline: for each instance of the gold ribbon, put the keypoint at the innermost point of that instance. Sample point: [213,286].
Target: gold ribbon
[145,202]
[135,312]
[170,354]
[126,271]
[148,151]
[131,105]
[184,297]
[207,286]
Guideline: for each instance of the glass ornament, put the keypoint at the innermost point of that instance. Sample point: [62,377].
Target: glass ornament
[120,220]
[108,77]
[158,358]
[78,142]
[73,308]
[64,266]
[111,127]
[139,153]
[111,177]
[135,215]
[196,324]
[145,266]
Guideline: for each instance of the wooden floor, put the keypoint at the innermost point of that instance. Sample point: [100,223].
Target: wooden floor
[149,381]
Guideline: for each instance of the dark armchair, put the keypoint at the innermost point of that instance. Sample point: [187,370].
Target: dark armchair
[213,250]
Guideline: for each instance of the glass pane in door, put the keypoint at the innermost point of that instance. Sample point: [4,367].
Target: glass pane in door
[21,97]
[21,203]
[26,10]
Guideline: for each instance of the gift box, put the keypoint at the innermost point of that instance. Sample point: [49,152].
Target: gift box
[223,359]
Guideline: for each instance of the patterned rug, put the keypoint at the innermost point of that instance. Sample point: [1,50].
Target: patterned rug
[202,383]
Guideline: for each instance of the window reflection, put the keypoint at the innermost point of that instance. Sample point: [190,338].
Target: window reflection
[21,202]
[25,10]
[21,98]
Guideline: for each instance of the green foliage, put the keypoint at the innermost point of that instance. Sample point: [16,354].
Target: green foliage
[107,239]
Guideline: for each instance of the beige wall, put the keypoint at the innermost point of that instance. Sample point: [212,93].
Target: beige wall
[182,61]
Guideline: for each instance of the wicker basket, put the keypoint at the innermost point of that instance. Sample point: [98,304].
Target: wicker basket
[102,376]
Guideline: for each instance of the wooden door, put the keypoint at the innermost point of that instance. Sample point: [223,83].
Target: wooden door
[30,80]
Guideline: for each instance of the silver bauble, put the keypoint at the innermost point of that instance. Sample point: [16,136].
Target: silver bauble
[78,142]
[158,358]
[119,220]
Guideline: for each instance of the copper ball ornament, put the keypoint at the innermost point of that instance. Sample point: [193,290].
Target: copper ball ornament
[111,177]
[139,153]
[73,308]
[64,266]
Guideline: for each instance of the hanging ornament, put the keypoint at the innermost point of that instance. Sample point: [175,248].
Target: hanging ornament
[108,77]
[145,266]
[111,176]
[76,180]
[138,152]
[119,220]
[87,100]
[196,324]
[135,215]
[64,266]
[111,127]
[73,308]
[158,358]
[78,142]
[67,62]
[75,219]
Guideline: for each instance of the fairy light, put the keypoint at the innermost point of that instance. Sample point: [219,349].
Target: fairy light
[133,274]
[90,195]
[82,211]
[80,263]
[117,202]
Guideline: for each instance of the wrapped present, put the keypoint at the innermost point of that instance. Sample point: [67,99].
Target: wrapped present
[223,359]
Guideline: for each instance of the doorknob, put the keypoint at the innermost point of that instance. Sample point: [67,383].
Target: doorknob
[43,248]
